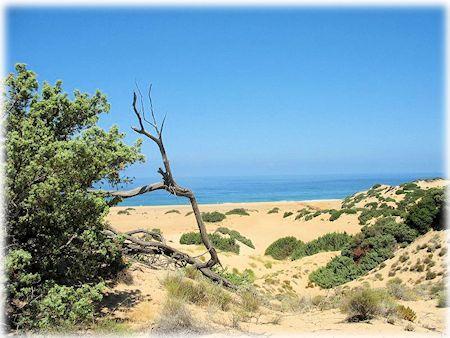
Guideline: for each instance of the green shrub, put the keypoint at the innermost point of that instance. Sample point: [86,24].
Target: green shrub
[328,242]
[238,211]
[442,299]
[274,210]
[287,214]
[247,277]
[282,248]
[430,275]
[339,270]
[213,217]
[427,213]
[302,213]
[364,304]
[236,235]
[123,212]
[64,307]
[173,211]
[219,242]
[54,153]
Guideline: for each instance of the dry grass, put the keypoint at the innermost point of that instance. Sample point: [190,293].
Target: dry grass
[175,317]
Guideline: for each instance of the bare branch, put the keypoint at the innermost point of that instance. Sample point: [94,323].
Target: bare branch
[138,115]
[133,192]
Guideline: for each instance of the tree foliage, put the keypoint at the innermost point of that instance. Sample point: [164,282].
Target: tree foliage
[54,153]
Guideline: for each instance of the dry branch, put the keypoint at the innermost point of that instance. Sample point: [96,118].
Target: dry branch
[169,184]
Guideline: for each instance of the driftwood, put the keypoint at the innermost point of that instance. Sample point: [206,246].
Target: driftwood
[159,247]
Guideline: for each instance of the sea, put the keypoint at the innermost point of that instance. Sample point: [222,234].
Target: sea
[212,190]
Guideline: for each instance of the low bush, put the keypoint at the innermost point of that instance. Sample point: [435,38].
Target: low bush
[287,214]
[247,277]
[219,242]
[274,210]
[64,307]
[250,300]
[213,217]
[339,270]
[176,318]
[430,275]
[329,242]
[442,299]
[201,292]
[282,248]
[398,290]
[236,235]
[238,211]
[173,211]
[365,303]
[406,313]
[427,213]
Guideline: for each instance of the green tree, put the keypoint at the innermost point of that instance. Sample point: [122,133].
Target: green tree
[54,153]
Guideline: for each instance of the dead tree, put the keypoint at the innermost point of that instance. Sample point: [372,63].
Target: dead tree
[168,183]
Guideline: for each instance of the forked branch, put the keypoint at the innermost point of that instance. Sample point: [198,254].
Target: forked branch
[170,185]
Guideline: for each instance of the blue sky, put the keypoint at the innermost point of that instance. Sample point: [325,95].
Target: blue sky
[256,91]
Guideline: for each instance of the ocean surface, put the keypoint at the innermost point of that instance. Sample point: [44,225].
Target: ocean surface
[211,190]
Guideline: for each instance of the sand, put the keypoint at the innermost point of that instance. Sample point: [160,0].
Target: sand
[262,228]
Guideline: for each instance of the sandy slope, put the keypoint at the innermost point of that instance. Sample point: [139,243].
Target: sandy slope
[144,294]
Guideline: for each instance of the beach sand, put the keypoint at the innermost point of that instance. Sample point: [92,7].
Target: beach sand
[263,229]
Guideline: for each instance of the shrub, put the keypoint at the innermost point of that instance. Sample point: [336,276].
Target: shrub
[303,212]
[282,248]
[247,277]
[173,211]
[213,217]
[442,299]
[409,327]
[406,313]
[123,212]
[364,304]
[189,213]
[442,252]
[328,242]
[250,301]
[64,307]
[274,210]
[339,270]
[398,290]
[238,211]
[430,275]
[287,214]
[55,152]
[236,235]
[175,317]
[427,213]
[219,242]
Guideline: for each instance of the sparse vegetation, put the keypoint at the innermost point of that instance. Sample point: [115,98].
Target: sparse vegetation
[213,217]
[172,211]
[219,242]
[274,210]
[238,211]
[365,303]
[236,235]
[287,214]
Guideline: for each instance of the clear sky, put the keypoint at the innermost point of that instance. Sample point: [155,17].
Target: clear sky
[256,91]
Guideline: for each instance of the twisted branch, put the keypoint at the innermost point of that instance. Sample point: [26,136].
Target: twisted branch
[170,185]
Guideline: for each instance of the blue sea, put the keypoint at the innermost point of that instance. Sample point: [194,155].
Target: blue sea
[210,190]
